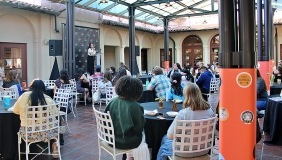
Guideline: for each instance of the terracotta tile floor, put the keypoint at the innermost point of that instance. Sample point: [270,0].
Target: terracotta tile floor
[81,143]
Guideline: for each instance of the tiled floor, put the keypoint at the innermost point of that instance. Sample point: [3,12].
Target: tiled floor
[81,143]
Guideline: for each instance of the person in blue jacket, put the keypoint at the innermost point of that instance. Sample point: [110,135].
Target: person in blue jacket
[204,81]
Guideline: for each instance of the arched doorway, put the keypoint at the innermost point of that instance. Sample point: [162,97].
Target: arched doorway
[214,46]
[192,51]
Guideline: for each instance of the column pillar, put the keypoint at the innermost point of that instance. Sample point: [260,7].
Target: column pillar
[138,59]
[166,44]
[132,54]
[206,54]
[70,57]
[178,55]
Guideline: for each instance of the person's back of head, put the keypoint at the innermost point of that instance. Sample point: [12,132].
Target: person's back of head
[11,75]
[64,76]
[193,98]
[129,88]
[107,77]
[98,68]
[121,73]
[158,70]
[78,73]
[37,93]
[113,69]
[176,83]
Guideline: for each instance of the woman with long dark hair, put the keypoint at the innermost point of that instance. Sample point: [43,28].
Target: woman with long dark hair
[121,72]
[90,59]
[176,90]
[64,79]
[80,80]
[35,97]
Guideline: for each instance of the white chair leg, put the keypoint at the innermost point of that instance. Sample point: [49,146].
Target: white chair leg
[19,146]
[85,98]
[66,117]
[49,147]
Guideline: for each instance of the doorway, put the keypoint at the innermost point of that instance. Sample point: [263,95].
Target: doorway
[192,51]
[144,60]
[162,59]
[16,59]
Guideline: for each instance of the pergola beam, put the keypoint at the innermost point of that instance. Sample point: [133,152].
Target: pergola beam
[192,15]
[122,12]
[150,12]
[152,2]
[109,7]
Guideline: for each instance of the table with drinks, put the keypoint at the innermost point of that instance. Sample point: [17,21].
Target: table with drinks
[155,127]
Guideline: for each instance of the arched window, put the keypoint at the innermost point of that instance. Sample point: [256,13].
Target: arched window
[214,46]
[192,51]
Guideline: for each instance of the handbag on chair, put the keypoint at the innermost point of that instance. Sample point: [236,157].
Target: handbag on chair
[97,95]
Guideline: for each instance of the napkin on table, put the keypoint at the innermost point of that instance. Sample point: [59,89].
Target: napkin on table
[11,109]
[146,111]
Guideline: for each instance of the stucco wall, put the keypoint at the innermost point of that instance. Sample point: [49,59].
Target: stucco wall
[35,29]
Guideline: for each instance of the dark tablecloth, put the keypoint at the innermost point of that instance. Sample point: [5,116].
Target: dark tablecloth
[9,127]
[147,96]
[144,77]
[273,121]
[275,89]
[154,128]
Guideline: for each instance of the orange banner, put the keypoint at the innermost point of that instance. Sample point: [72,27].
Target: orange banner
[166,65]
[237,114]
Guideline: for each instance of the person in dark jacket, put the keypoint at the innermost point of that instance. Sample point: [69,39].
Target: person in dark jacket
[261,92]
[204,81]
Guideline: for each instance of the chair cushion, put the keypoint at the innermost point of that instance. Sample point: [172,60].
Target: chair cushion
[204,157]
[110,149]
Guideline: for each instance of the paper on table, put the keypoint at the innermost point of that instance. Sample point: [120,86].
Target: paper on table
[50,87]
[146,111]
[277,99]
[11,109]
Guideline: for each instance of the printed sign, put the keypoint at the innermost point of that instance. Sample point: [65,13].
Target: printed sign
[244,79]
[223,114]
[247,117]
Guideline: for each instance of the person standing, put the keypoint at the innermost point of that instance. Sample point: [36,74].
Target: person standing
[90,59]
[2,73]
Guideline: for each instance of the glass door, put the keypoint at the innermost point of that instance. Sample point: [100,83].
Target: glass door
[14,55]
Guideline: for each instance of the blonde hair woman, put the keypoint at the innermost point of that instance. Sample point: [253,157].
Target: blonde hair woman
[194,108]
[2,72]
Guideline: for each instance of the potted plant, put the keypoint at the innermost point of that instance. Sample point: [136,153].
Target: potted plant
[272,80]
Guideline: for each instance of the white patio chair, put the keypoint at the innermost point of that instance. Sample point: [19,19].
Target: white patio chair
[70,87]
[9,92]
[76,94]
[40,119]
[49,83]
[63,97]
[94,88]
[110,94]
[192,136]
[149,72]
[106,134]
[214,87]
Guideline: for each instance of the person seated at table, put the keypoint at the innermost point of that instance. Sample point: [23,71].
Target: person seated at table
[105,82]
[176,90]
[34,97]
[63,79]
[127,114]
[81,79]
[113,71]
[186,76]
[261,92]
[10,79]
[121,73]
[204,81]
[176,68]
[98,73]
[278,73]
[160,83]
[194,108]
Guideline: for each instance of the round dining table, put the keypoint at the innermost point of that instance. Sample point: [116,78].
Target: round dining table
[9,127]
[155,128]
